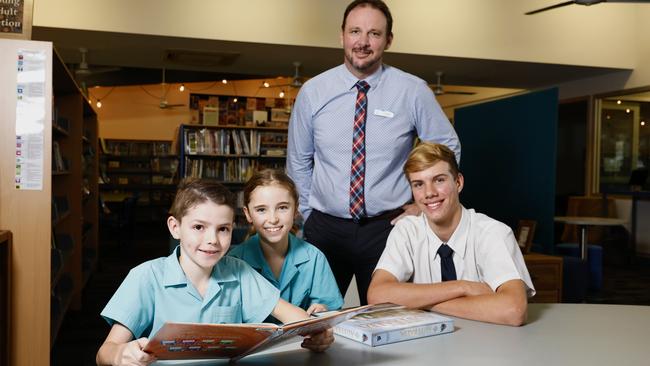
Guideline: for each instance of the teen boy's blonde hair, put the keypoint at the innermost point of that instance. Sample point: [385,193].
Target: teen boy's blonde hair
[193,191]
[426,155]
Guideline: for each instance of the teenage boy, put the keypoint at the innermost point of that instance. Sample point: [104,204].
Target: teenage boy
[450,259]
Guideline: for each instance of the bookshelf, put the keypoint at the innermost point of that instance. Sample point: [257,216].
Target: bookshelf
[53,250]
[144,171]
[230,154]
[74,236]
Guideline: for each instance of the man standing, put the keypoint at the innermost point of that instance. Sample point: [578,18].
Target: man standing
[351,130]
[451,259]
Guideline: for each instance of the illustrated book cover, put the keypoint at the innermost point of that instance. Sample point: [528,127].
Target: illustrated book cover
[179,341]
[375,328]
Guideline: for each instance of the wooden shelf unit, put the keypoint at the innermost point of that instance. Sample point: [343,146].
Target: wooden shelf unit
[147,169]
[69,129]
[546,274]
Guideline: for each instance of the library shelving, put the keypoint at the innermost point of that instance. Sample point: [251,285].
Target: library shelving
[230,154]
[74,237]
[49,139]
[138,176]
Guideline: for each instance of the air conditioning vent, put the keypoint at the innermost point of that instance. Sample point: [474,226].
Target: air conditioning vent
[199,58]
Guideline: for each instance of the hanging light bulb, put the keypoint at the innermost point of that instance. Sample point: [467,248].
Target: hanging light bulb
[642,123]
[627,110]
[99,103]
[224,81]
[235,100]
[266,84]
[618,101]
[182,87]
[281,94]
[90,101]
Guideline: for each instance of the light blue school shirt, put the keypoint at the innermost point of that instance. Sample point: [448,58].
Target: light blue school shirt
[157,291]
[306,277]
[401,106]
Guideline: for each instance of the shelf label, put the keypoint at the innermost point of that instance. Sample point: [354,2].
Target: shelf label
[30,119]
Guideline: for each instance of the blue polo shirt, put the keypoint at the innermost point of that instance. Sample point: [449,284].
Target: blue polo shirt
[158,291]
[306,277]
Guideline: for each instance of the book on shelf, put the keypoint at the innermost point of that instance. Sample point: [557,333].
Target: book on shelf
[59,164]
[390,325]
[178,341]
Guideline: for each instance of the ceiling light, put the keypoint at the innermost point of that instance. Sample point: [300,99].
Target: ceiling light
[608,116]
[182,87]
[627,110]
[281,94]
[224,81]
[99,103]
[235,100]
[642,123]
[618,101]
[266,84]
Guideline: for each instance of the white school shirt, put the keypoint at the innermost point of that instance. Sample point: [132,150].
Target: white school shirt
[485,250]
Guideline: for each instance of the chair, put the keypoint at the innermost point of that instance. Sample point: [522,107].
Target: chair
[525,234]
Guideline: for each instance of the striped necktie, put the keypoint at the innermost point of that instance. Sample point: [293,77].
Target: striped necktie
[357,175]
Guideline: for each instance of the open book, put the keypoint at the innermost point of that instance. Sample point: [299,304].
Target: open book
[176,341]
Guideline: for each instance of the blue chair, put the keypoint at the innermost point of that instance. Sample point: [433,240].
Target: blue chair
[594,261]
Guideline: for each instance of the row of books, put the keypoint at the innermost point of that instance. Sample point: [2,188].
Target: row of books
[231,170]
[222,142]
[136,148]
[234,142]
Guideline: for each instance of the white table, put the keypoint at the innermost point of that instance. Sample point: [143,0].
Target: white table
[583,222]
[556,334]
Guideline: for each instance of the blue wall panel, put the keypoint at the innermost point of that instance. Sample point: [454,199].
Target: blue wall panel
[508,160]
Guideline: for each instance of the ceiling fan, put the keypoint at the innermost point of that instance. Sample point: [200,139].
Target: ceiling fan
[439,90]
[163,96]
[297,80]
[83,69]
[583,2]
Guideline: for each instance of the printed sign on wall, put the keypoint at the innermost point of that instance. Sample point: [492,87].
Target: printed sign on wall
[16,19]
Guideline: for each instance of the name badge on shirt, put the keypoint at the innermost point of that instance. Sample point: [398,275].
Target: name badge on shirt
[387,114]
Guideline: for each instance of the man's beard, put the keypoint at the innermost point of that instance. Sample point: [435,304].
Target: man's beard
[370,63]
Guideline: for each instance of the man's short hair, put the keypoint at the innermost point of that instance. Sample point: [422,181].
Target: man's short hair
[426,155]
[376,4]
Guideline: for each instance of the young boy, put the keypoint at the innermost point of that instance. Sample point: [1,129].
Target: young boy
[196,283]
[456,261]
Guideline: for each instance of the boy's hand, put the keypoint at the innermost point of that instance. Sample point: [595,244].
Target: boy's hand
[131,354]
[319,342]
[473,288]
[316,308]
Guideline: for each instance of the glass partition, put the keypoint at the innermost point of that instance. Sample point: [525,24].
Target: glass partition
[622,142]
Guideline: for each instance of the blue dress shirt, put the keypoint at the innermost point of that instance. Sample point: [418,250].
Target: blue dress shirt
[401,106]
[306,277]
[157,291]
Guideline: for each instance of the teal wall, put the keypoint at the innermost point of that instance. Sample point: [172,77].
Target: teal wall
[508,160]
